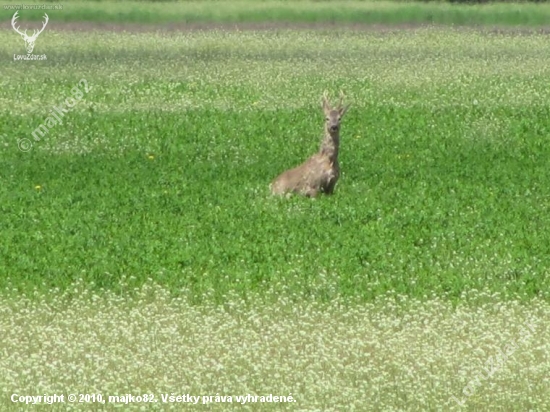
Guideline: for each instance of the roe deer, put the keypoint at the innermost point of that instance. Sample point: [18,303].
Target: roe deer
[321,171]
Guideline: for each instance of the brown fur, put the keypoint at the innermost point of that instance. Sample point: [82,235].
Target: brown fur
[321,171]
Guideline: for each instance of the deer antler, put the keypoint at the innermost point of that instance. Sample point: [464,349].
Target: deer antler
[13,21]
[326,103]
[35,33]
[341,99]
[43,26]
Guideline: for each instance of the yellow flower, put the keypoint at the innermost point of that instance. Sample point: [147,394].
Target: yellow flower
[38,187]
[151,157]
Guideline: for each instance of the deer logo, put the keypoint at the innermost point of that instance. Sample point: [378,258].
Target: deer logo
[29,40]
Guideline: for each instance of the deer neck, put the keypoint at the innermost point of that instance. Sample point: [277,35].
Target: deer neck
[330,145]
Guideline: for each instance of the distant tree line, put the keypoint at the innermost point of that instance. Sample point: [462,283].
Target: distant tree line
[495,1]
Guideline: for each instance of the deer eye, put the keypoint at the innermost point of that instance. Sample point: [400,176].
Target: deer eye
[327,119]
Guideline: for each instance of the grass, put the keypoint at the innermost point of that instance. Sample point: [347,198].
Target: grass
[306,11]
[162,169]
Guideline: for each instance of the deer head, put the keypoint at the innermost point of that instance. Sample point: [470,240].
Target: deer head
[29,40]
[333,115]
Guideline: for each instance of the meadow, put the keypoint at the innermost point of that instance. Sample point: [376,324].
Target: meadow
[141,251]
[162,169]
[336,12]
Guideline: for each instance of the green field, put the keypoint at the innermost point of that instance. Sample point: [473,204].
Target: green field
[300,11]
[141,251]
[162,169]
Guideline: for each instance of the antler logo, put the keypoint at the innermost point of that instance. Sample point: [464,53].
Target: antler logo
[29,40]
